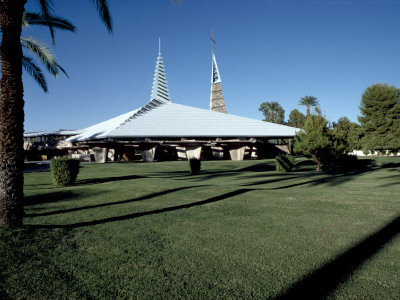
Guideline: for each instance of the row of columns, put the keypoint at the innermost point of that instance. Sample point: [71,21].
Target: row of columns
[236,151]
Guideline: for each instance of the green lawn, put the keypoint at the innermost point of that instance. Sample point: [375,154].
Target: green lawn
[237,230]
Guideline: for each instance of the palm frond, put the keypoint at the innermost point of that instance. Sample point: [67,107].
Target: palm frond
[308,101]
[47,9]
[42,52]
[177,2]
[35,72]
[24,21]
[62,70]
[58,22]
[104,12]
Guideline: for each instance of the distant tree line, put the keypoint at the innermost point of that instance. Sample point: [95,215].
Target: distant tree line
[378,128]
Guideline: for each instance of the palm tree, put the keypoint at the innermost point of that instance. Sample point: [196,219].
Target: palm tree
[273,112]
[308,101]
[12,103]
[40,50]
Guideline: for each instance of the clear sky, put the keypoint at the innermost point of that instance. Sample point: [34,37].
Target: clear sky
[266,50]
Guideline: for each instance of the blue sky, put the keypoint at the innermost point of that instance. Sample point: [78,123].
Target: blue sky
[267,50]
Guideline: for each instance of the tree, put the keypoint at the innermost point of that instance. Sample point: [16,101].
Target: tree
[296,119]
[308,101]
[12,103]
[380,118]
[273,112]
[40,50]
[315,140]
[346,135]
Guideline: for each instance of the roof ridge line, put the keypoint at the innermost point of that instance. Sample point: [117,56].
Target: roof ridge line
[151,105]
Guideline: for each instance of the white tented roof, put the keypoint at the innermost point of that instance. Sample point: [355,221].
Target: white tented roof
[164,119]
[100,130]
[52,133]
[167,119]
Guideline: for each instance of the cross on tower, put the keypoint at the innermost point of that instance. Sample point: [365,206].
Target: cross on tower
[212,41]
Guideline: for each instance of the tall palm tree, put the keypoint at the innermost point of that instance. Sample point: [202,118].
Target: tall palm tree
[273,112]
[308,101]
[40,50]
[12,103]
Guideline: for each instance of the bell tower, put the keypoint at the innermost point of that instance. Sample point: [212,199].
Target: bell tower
[217,102]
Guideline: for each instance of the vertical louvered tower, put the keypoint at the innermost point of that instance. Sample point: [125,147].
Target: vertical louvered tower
[160,88]
[217,102]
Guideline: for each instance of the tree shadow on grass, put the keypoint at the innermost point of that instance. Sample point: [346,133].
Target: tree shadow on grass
[273,180]
[219,173]
[332,178]
[390,166]
[146,197]
[146,213]
[49,197]
[320,283]
[107,179]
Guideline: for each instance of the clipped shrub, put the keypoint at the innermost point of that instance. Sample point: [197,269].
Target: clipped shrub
[195,165]
[284,163]
[64,170]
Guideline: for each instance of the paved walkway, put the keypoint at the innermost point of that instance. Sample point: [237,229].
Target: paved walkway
[36,166]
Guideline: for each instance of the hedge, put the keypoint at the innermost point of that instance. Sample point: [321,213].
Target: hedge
[64,170]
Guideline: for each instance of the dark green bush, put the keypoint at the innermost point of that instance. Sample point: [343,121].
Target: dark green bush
[284,163]
[64,170]
[195,165]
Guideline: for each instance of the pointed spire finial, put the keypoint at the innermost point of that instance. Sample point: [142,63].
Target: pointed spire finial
[217,102]
[212,41]
[215,77]
[160,88]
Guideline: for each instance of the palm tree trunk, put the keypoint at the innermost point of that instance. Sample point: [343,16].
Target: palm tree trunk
[11,114]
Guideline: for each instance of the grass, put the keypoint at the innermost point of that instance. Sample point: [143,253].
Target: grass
[237,230]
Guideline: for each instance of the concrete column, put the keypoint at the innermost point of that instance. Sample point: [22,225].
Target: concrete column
[111,155]
[254,153]
[148,152]
[237,153]
[248,152]
[70,152]
[100,154]
[193,152]
[126,156]
[181,152]
[218,152]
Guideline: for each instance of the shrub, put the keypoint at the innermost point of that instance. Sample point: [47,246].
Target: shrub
[284,163]
[195,165]
[64,170]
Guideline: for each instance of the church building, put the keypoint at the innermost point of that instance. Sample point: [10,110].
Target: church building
[162,129]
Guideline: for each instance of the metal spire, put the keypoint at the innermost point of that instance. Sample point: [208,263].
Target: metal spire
[215,77]
[217,101]
[160,89]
